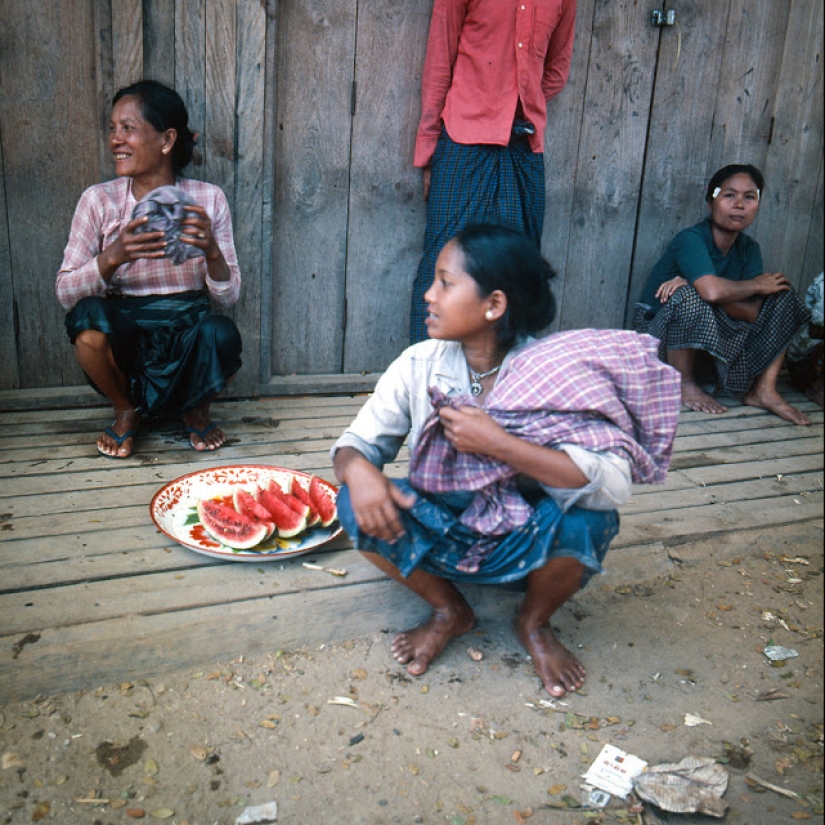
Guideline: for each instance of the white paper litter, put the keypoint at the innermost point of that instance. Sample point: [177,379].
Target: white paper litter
[692,720]
[694,785]
[258,814]
[777,653]
[613,771]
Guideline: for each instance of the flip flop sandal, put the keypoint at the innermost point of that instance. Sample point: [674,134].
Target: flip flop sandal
[118,439]
[201,434]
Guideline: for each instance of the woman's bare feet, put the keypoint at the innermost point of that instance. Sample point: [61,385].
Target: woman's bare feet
[204,434]
[695,398]
[773,402]
[418,647]
[117,441]
[559,670]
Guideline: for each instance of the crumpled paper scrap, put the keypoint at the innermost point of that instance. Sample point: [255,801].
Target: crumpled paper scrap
[258,814]
[694,785]
[166,208]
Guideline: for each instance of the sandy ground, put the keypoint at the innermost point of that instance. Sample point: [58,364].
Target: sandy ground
[342,734]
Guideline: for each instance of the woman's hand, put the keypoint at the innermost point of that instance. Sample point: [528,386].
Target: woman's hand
[769,283]
[197,231]
[667,289]
[471,430]
[375,499]
[130,246]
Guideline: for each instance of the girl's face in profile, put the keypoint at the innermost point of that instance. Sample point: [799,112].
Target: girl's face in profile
[456,311]
[735,206]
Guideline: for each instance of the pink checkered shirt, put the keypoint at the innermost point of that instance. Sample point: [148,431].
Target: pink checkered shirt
[102,212]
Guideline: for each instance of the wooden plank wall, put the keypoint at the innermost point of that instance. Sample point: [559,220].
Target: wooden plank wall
[58,77]
[307,115]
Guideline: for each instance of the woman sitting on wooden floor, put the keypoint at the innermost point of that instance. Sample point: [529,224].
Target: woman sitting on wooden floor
[139,313]
[710,293]
[522,450]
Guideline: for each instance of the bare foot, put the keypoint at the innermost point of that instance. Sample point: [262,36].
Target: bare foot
[695,398]
[773,402]
[559,670]
[204,434]
[126,421]
[418,647]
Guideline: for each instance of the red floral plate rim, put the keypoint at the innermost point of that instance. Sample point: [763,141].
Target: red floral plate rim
[174,511]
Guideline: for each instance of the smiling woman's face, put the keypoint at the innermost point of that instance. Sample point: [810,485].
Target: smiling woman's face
[136,145]
[736,205]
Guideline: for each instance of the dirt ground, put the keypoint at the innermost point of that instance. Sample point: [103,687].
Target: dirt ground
[341,734]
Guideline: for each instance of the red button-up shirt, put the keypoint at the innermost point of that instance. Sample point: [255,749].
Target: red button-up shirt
[483,58]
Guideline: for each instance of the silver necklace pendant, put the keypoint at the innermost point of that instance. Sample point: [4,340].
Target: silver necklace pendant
[477,377]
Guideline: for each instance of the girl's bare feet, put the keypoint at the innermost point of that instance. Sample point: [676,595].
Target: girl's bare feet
[118,440]
[775,403]
[695,398]
[418,647]
[559,670]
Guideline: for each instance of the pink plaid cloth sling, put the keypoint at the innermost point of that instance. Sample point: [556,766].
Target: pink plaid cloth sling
[603,390]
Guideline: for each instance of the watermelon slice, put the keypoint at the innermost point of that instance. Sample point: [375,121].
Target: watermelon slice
[287,498]
[297,489]
[287,521]
[323,500]
[246,505]
[230,527]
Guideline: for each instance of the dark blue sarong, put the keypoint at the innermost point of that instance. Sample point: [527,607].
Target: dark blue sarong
[176,353]
[476,184]
[435,541]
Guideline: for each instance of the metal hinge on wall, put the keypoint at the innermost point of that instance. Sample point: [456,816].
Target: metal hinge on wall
[663,18]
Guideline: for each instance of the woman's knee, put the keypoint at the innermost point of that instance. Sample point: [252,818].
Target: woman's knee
[92,340]
[221,333]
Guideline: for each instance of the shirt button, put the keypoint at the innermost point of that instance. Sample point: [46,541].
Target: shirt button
[519,45]
[522,8]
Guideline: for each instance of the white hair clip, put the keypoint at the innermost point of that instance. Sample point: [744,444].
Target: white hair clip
[716,192]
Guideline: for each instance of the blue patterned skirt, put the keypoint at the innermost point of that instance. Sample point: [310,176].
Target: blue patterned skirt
[435,540]
[176,353]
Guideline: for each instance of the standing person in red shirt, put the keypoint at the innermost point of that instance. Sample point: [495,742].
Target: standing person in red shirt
[491,66]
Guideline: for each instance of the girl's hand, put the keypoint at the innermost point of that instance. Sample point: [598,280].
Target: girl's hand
[667,289]
[471,430]
[197,231]
[375,502]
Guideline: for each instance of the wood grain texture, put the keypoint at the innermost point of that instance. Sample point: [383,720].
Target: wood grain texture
[681,124]
[386,208]
[611,160]
[111,598]
[159,40]
[316,49]
[127,41]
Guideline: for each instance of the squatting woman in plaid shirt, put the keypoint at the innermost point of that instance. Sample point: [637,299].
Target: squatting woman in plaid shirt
[138,302]
[521,449]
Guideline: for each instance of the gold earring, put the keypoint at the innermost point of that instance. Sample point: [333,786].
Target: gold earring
[165,151]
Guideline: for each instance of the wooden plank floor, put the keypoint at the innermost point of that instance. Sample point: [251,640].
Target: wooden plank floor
[91,592]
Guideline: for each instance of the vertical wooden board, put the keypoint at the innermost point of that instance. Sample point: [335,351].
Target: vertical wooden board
[387,211]
[747,86]
[795,146]
[250,242]
[605,198]
[812,264]
[561,155]
[219,97]
[681,121]
[159,40]
[45,96]
[9,373]
[127,41]
[190,80]
[104,75]
[316,46]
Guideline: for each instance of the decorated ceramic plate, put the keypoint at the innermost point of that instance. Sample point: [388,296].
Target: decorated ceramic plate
[174,509]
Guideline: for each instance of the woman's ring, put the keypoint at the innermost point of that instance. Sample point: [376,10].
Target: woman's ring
[201,234]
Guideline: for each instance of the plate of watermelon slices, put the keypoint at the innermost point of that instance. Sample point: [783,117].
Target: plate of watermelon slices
[247,512]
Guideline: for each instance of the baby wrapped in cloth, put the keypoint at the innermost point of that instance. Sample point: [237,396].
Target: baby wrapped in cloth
[166,208]
[599,389]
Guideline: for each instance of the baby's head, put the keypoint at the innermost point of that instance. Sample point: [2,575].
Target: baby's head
[500,258]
